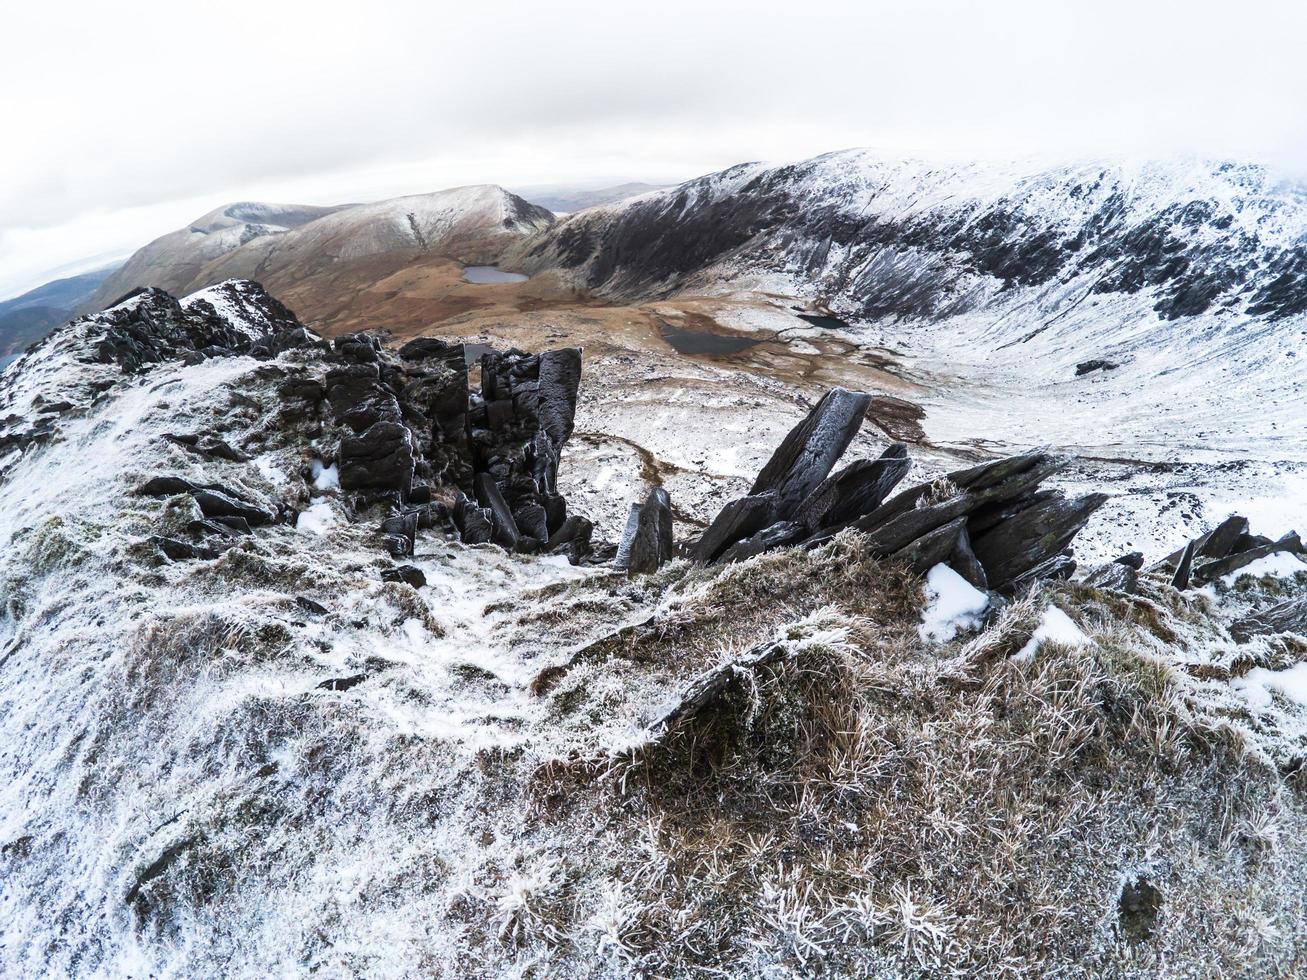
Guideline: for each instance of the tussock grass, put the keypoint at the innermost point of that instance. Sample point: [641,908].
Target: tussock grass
[847,800]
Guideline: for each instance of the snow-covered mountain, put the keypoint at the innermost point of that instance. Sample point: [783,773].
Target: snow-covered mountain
[285,243]
[175,260]
[1069,304]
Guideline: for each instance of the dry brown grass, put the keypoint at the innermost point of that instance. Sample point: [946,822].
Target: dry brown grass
[852,801]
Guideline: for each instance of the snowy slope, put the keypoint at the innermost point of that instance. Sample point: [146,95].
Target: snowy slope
[995,282]
[173,261]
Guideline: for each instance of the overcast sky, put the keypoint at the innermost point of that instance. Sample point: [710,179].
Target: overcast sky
[123,121]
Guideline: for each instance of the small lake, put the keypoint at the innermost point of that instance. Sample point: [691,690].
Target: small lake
[487,274]
[472,353]
[824,322]
[701,342]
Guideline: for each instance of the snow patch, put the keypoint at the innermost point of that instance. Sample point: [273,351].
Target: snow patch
[325,477]
[953,605]
[1055,627]
[1258,684]
[318,519]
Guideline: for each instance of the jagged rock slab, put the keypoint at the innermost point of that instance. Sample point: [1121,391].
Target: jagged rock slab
[737,520]
[811,449]
[1287,617]
[854,491]
[1032,537]
[1212,570]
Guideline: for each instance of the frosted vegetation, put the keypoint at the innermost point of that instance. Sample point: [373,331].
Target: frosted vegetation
[501,774]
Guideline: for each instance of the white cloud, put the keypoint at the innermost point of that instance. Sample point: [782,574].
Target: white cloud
[141,115]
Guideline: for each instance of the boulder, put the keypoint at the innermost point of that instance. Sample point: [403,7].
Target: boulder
[1287,617]
[218,504]
[651,545]
[505,531]
[381,458]
[408,574]
[947,545]
[1116,575]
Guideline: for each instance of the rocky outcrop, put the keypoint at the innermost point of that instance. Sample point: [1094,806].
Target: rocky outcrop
[991,523]
[1286,617]
[1226,548]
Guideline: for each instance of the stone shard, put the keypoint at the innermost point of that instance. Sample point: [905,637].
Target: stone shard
[1116,575]
[1057,568]
[1034,536]
[1228,537]
[504,526]
[627,540]
[1209,571]
[216,503]
[408,574]
[651,545]
[473,523]
[946,545]
[737,520]
[811,449]
[854,491]
[777,535]
[1183,571]
[558,385]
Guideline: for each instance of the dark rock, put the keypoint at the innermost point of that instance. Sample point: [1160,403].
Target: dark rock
[400,532]
[473,523]
[1134,559]
[181,550]
[448,353]
[505,528]
[408,574]
[342,683]
[811,449]
[309,606]
[381,458]
[1116,576]
[209,446]
[946,545]
[737,520]
[218,503]
[1209,571]
[1097,364]
[627,541]
[854,491]
[779,535]
[1032,537]
[165,486]
[1182,572]
[651,546]
[1287,617]
[1059,567]
[1226,538]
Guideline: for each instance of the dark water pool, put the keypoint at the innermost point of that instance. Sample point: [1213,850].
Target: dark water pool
[701,342]
[487,274]
[825,322]
[472,353]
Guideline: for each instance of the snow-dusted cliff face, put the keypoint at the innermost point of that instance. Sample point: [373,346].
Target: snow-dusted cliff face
[909,240]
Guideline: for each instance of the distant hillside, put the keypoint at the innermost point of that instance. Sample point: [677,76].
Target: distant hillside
[29,317]
[564,200]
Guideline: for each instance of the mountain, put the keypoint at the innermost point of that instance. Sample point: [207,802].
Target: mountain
[27,318]
[564,200]
[178,259]
[281,245]
[1178,277]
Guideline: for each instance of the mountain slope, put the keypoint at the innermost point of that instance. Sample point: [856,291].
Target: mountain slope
[279,245]
[27,318]
[1183,277]
[178,258]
